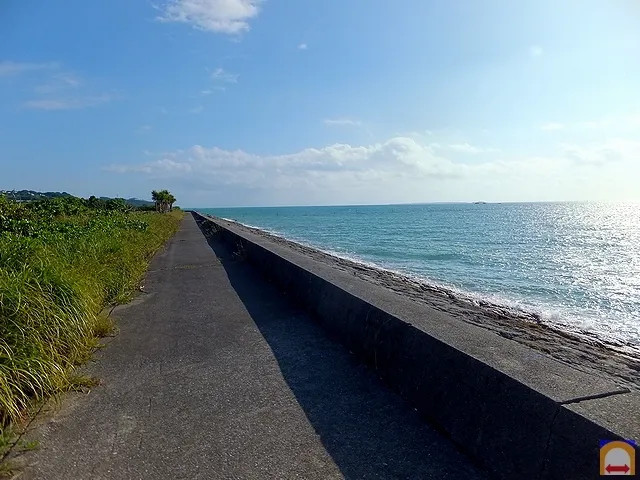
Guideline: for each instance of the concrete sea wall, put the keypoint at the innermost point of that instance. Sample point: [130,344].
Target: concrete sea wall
[519,413]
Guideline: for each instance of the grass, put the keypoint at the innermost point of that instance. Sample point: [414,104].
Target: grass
[61,263]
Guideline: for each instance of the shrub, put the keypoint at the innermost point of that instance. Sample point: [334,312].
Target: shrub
[61,262]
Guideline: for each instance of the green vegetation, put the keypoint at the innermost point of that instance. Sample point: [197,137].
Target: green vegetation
[62,261]
[31,195]
[163,200]
[28,195]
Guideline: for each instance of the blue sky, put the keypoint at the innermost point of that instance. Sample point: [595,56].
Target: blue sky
[245,102]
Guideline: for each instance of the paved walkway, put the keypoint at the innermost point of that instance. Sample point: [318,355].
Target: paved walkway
[215,375]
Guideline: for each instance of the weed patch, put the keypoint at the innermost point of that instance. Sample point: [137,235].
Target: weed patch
[62,262]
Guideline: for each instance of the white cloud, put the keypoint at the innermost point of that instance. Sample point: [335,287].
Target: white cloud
[464,148]
[302,46]
[400,169]
[535,51]
[8,68]
[69,103]
[552,126]
[611,151]
[197,109]
[206,92]
[144,129]
[220,16]
[220,75]
[397,156]
[343,122]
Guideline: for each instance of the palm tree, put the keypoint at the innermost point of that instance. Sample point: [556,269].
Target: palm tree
[163,199]
[171,199]
[156,199]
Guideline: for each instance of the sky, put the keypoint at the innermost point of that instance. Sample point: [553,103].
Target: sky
[320,102]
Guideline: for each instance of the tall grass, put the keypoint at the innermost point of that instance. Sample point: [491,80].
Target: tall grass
[59,267]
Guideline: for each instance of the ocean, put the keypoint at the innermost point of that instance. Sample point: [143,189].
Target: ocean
[577,265]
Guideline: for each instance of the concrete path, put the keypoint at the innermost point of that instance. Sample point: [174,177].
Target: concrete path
[216,376]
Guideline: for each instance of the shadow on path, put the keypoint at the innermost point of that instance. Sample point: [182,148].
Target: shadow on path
[369,431]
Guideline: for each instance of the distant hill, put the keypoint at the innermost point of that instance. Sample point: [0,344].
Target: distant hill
[30,195]
[24,195]
[136,202]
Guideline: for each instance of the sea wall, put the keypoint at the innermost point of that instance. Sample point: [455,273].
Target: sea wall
[516,411]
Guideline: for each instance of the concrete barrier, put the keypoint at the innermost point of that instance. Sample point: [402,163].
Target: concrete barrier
[519,413]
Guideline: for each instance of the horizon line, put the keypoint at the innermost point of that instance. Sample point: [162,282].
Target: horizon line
[414,203]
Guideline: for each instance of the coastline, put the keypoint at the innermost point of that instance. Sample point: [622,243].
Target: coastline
[579,350]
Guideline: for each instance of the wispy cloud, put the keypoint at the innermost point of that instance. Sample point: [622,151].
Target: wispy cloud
[8,68]
[220,88]
[144,129]
[58,89]
[220,16]
[302,46]
[343,122]
[58,82]
[197,109]
[552,126]
[69,103]
[611,151]
[69,79]
[221,75]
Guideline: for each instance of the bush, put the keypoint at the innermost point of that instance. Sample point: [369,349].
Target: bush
[61,262]
[147,208]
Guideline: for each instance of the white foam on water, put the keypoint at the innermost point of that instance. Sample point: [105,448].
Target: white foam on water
[586,328]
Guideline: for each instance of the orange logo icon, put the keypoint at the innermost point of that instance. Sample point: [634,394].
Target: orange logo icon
[617,458]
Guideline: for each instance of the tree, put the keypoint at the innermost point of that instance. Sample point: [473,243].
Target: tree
[156,199]
[117,204]
[163,199]
[171,199]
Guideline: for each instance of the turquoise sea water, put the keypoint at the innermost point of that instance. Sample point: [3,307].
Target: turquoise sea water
[576,264]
